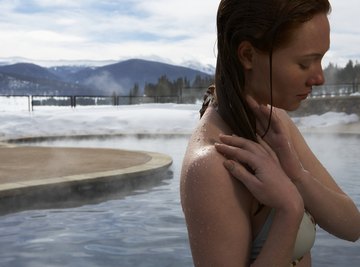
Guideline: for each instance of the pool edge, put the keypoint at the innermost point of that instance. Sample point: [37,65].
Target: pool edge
[80,189]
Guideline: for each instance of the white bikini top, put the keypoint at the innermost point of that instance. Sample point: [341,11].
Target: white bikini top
[304,241]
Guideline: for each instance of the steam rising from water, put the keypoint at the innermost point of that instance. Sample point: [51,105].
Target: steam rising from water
[106,82]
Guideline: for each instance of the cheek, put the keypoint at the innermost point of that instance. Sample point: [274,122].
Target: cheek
[286,81]
[284,86]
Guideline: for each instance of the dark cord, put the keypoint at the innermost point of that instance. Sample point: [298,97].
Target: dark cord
[271,95]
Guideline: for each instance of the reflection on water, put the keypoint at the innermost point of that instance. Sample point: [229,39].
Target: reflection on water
[148,228]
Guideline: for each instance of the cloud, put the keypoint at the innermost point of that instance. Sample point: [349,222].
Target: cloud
[51,37]
[345,35]
[108,29]
[173,30]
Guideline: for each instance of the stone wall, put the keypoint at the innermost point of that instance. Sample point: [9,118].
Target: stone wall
[347,104]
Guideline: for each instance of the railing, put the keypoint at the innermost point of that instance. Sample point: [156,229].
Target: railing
[332,90]
[82,100]
[187,95]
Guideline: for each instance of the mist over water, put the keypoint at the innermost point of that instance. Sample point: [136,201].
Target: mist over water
[147,227]
[340,154]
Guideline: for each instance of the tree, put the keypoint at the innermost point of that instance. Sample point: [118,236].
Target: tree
[330,73]
[202,81]
[135,91]
[164,86]
[347,74]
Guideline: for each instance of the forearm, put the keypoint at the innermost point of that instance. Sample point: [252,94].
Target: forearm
[333,211]
[279,246]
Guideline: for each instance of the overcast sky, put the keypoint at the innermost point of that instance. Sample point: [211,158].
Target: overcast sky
[167,30]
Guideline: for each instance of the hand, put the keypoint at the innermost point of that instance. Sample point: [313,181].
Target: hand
[263,175]
[277,138]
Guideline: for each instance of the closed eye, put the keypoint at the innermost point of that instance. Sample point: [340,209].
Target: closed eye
[304,66]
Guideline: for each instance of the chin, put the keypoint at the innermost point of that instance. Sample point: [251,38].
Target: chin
[293,108]
[289,108]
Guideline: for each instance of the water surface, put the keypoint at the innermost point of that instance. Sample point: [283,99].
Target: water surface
[147,227]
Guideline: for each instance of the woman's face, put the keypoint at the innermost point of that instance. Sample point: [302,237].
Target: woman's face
[296,66]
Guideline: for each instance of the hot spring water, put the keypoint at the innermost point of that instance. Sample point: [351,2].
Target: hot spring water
[147,227]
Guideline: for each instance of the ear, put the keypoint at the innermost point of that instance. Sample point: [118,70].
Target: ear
[245,54]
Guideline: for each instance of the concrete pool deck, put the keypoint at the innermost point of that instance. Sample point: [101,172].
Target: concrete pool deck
[39,177]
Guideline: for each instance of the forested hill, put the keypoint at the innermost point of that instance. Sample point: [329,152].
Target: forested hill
[119,78]
[133,76]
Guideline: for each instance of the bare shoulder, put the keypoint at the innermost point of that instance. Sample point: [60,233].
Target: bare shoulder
[216,208]
[204,176]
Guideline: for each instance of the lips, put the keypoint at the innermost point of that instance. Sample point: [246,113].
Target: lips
[304,95]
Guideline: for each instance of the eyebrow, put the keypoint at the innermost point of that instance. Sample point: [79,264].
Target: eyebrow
[313,55]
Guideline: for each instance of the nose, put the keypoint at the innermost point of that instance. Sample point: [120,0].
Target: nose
[317,77]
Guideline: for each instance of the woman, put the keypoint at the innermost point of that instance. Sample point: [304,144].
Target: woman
[251,188]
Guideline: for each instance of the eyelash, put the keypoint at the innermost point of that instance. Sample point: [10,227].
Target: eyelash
[304,66]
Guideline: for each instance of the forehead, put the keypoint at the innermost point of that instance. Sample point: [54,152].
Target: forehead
[312,36]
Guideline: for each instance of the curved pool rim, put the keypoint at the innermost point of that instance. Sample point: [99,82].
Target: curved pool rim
[84,188]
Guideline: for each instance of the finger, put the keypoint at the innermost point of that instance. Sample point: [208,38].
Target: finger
[262,113]
[235,143]
[240,142]
[242,156]
[276,128]
[267,148]
[238,171]
[252,102]
[276,122]
[232,152]
[268,113]
[265,119]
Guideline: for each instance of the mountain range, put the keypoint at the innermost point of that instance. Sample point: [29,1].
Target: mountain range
[119,78]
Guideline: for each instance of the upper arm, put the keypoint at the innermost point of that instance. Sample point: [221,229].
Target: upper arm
[216,208]
[308,159]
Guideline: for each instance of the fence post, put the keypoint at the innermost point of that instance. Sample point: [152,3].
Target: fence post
[181,95]
[114,100]
[73,101]
[30,103]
